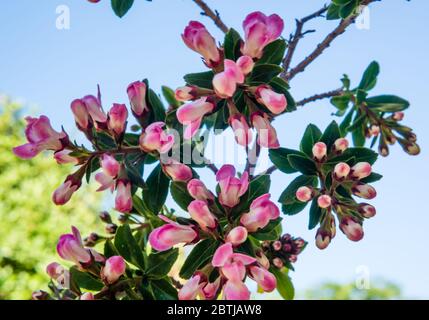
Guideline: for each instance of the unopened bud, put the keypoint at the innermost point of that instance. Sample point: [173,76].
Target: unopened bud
[341,144]
[111,228]
[374,130]
[361,170]
[287,247]
[364,191]
[40,295]
[304,194]
[278,263]
[398,116]
[341,171]
[323,238]
[324,201]
[351,228]
[319,151]
[293,258]
[105,217]
[87,296]
[366,210]
[412,149]
[277,245]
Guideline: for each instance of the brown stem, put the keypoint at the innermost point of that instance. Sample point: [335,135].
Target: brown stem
[118,151]
[214,15]
[298,35]
[320,96]
[343,25]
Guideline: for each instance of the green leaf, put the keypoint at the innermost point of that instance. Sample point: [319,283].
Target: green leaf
[84,280]
[360,154]
[247,248]
[160,263]
[369,78]
[315,214]
[373,177]
[333,12]
[312,135]
[346,122]
[134,165]
[273,52]
[281,86]
[271,232]
[341,102]
[348,9]
[128,247]
[331,134]
[156,106]
[357,123]
[162,289]
[358,136]
[257,187]
[201,79]
[264,73]
[302,164]
[387,103]
[109,249]
[199,256]
[170,96]
[293,208]
[288,196]
[231,44]
[121,7]
[180,194]
[279,158]
[284,283]
[156,193]
[341,2]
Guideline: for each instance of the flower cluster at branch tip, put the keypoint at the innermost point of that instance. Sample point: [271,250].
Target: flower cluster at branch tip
[282,252]
[233,78]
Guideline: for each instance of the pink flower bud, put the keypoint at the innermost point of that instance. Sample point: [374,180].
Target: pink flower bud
[319,151]
[260,30]
[191,115]
[87,296]
[278,263]
[55,270]
[156,139]
[367,210]
[81,115]
[265,279]
[95,111]
[165,237]
[40,136]
[118,115]
[237,236]
[109,165]
[184,93]
[267,135]
[242,132]
[351,228]
[323,238]
[235,290]
[177,171]
[199,211]
[262,259]
[262,210]
[277,245]
[231,188]
[412,149]
[304,194]
[70,248]
[123,200]
[198,190]
[211,289]
[192,288]
[374,130]
[198,39]
[324,201]
[137,94]
[341,144]
[275,102]
[63,157]
[64,192]
[341,171]
[361,170]
[225,83]
[398,116]
[113,269]
[246,64]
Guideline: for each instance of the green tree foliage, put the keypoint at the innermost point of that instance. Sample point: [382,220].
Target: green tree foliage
[30,222]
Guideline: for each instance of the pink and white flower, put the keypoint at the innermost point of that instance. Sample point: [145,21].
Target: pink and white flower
[177,171]
[351,228]
[361,170]
[199,191]
[231,188]
[267,135]
[237,236]
[64,157]
[40,136]
[365,191]
[304,194]
[200,212]
[113,269]
[156,139]
[246,64]
[118,115]
[262,210]
[225,83]
[81,115]
[319,151]
[95,111]
[341,144]
[111,168]
[265,279]
[137,94]
[242,132]
[341,170]
[64,192]
[191,115]
[123,199]
[275,102]
[324,201]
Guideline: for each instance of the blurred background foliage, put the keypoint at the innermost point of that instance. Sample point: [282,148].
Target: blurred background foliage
[30,223]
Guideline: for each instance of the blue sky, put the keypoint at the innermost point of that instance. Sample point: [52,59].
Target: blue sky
[47,68]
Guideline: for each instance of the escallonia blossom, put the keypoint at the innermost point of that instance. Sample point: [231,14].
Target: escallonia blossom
[231,188]
[200,212]
[319,151]
[117,119]
[70,248]
[361,170]
[177,171]
[198,39]
[155,138]
[352,228]
[107,177]
[113,269]
[275,102]
[262,211]
[267,135]
[198,190]
[123,199]
[237,236]
[199,286]
[165,237]
[191,115]
[340,145]
[95,111]
[137,95]
[246,64]
[304,194]
[87,296]
[225,82]
[65,191]
[40,136]
[260,30]
[242,132]
[64,157]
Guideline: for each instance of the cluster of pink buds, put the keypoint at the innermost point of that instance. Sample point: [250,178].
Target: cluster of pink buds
[350,214]
[233,269]
[229,76]
[284,251]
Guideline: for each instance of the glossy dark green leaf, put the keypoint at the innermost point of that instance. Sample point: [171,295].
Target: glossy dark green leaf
[293,208]
[358,136]
[199,256]
[348,9]
[162,289]
[373,177]
[156,106]
[109,249]
[156,193]
[84,280]
[134,166]
[288,196]
[264,73]
[271,232]
[360,154]
[169,96]
[121,7]
[180,194]
[315,214]
[273,52]
[284,283]
[340,102]
[128,247]
[331,134]
[302,164]
[387,103]
[160,263]
[369,78]
[333,12]
[312,135]
[279,158]
[201,79]
[232,44]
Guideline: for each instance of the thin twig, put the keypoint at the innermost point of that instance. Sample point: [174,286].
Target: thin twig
[343,25]
[320,96]
[214,15]
[298,35]
[212,167]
